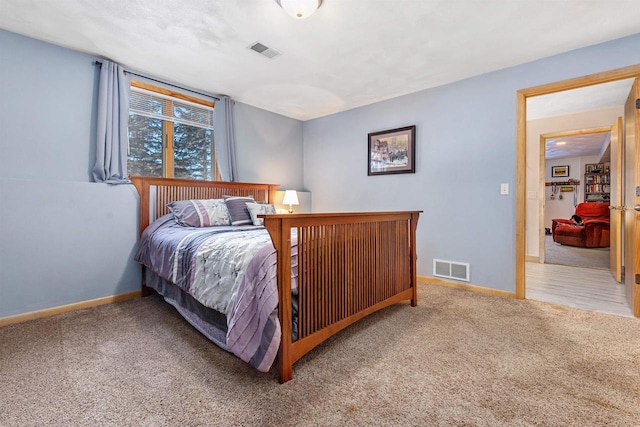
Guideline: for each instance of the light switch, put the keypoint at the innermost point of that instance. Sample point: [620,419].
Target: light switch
[504,189]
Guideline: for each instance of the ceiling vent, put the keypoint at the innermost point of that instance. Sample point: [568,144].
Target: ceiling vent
[264,50]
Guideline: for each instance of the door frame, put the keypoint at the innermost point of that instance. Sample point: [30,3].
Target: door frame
[543,175]
[632,71]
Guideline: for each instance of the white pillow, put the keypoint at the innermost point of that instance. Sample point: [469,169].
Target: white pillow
[256,209]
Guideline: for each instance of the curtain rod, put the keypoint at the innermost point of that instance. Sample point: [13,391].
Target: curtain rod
[164,83]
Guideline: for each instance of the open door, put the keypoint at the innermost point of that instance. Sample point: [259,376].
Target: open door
[615,203]
[632,198]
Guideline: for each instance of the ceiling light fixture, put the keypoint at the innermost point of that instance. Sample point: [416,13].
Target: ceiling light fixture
[561,143]
[299,9]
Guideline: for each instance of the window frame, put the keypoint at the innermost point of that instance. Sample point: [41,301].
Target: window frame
[167,127]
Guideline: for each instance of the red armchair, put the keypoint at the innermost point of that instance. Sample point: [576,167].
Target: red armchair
[593,233]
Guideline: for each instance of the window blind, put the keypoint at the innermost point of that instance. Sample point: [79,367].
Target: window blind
[150,104]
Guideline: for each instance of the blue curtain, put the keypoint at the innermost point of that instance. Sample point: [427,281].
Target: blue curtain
[225,139]
[113,125]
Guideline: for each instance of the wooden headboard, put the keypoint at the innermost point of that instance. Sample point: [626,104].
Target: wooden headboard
[156,193]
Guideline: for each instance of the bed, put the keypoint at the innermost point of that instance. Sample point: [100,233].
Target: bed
[329,270]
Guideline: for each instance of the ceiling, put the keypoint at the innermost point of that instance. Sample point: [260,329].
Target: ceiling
[348,54]
[612,94]
[577,146]
[573,101]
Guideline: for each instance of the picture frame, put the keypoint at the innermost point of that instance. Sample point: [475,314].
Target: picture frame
[566,189]
[391,151]
[593,167]
[559,171]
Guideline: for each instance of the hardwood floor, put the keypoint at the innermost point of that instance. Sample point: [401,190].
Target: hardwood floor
[585,288]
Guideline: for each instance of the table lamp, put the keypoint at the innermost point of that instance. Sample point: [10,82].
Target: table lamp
[290,198]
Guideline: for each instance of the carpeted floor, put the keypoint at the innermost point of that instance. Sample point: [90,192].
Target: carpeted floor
[555,253]
[460,358]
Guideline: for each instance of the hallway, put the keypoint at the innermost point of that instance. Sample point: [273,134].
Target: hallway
[584,288]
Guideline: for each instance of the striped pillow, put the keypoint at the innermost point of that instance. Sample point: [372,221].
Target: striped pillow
[200,213]
[238,212]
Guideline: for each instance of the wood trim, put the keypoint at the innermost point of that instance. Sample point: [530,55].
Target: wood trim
[179,95]
[466,286]
[48,312]
[542,202]
[568,133]
[168,153]
[521,150]
[535,259]
[578,82]
[521,190]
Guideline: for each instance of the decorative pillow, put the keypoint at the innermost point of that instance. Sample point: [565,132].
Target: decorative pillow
[256,209]
[200,213]
[237,207]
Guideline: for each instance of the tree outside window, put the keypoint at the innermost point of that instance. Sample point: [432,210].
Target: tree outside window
[170,134]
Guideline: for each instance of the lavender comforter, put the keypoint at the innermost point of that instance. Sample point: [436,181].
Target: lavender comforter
[227,268]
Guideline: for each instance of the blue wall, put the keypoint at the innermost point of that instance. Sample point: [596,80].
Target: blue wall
[63,238]
[465,148]
[269,147]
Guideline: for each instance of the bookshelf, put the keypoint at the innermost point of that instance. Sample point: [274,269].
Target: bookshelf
[597,187]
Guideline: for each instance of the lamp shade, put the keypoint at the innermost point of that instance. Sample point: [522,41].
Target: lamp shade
[290,198]
[299,9]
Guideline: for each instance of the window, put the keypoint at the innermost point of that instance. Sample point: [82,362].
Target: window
[170,134]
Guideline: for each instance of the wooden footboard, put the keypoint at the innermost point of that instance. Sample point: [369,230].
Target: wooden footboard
[349,265]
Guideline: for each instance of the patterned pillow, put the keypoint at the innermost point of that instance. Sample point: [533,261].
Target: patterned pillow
[237,207]
[256,209]
[200,213]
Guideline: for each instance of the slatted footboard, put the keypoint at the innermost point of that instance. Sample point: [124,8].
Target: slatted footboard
[349,265]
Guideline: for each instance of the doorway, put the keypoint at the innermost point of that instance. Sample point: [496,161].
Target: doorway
[577,154]
[569,273]
[523,196]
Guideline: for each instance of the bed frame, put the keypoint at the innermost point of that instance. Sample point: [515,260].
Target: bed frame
[349,264]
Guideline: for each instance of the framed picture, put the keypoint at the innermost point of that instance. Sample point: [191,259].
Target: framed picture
[559,171]
[392,151]
[566,189]
[593,167]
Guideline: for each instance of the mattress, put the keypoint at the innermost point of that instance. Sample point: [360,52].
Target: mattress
[230,270]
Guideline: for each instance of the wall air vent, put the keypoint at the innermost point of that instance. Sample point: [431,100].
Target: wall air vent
[451,270]
[264,50]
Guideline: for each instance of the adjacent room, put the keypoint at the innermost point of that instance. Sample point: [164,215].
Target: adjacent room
[574,264]
[319,212]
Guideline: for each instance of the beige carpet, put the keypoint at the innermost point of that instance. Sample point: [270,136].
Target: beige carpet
[459,358]
[555,253]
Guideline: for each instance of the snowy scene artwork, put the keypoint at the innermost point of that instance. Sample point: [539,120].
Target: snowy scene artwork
[392,151]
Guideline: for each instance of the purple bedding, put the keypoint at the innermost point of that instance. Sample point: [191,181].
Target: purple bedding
[231,269]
